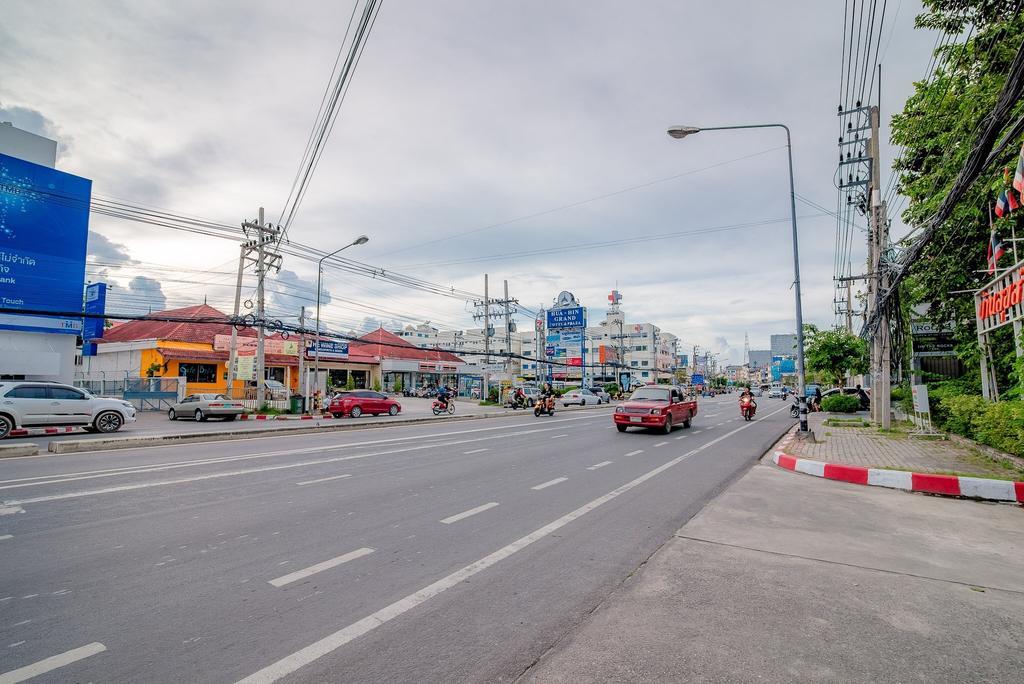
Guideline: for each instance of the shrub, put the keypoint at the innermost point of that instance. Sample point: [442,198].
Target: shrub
[350,383]
[492,395]
[611,388]
[1001,426]
[960,412]
[898,393]
[398,385]
[841,403]
[376,385]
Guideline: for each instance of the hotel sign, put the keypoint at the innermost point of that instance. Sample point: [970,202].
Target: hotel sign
[999,302]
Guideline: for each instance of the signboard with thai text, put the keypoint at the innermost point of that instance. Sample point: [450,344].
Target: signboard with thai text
[44,228]
[1000,303]
[270,346]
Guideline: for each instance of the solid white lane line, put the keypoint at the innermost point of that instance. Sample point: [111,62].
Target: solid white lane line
[661,444]
[323,479]
[634,453]
[549,483]
[558,436]
[247,471]
[320,567]
[51,663]
[474,451]
[6,536]
[465,514]
[291,663]
[602,464]
[156,467]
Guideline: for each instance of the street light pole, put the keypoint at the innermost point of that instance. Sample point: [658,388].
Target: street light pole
[679,132]
[361,240]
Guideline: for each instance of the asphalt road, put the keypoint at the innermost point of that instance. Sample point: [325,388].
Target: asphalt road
[437,552]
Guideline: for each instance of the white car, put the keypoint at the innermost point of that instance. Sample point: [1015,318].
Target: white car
[581,397]
[43,404]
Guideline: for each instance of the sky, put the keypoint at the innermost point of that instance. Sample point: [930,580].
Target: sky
[472,132]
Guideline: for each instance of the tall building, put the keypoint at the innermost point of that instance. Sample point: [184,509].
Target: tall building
[784,345]
[760,358]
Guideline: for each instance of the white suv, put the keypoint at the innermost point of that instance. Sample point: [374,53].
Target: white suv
[43,404]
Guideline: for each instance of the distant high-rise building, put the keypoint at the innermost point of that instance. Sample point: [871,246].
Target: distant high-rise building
[760,358]
[784,345]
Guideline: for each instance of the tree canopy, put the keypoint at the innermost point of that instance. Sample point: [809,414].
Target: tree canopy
[834,353]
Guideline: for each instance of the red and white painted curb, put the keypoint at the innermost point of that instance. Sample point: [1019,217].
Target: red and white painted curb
[260,416]
[946,485]
[38,432]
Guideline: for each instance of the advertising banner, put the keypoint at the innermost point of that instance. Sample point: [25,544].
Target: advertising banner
[270,346]
[575,361]
[1001,301]
[44,228]
[328,349]
[554,338]
[572,337]
[549,351]
[95,303]
[245,365]
[697,379]
[565,318]
[920,396]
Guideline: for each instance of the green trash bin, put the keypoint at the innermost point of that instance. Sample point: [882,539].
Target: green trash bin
[298,403]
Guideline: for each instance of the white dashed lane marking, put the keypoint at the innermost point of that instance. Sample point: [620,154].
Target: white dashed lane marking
[549,483]
[602,464]
[465,514]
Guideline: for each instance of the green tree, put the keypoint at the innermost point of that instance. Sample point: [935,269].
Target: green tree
[936,129]
[350,382]
[834,353]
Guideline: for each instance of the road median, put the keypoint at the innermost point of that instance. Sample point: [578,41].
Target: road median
[331,425]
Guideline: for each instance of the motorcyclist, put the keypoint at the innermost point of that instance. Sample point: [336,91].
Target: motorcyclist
[443,394]
[519,398]
[547,394]
[746,396]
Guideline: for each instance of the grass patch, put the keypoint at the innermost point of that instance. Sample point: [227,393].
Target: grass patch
[840,422]
[489,403]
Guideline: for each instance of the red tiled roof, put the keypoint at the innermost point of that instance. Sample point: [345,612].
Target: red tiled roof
[387,345]
[188,331]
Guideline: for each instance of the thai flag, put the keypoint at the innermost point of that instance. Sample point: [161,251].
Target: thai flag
[1002,205]
[1018,178]
[995,250]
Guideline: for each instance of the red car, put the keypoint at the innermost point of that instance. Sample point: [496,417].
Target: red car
[358,402]
[655,406]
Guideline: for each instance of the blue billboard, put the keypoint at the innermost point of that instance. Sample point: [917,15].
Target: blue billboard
[44,230]
[95,303]
[565,318]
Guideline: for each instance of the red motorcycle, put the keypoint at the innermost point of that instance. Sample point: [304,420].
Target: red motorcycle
[748,407]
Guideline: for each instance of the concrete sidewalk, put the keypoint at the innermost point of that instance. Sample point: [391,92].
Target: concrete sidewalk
[869,448]
[786,578]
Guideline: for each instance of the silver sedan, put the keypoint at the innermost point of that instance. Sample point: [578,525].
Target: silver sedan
[203,406]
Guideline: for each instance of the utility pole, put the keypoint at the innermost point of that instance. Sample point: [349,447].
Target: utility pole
[265,260]
[508,333]
[881,348]
[487,339]
[233,350]
[303,381]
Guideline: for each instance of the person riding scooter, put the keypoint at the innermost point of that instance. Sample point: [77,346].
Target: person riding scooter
[519,398]
[546,401]
[748,407]
[443,396]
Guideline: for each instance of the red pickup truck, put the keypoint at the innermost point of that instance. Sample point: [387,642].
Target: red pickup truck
[655,406]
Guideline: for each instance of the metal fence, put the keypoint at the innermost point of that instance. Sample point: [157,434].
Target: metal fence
[146,394]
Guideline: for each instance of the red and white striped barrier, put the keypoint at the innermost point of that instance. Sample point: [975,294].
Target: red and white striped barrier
[260,416]
[37,432]
[946,485]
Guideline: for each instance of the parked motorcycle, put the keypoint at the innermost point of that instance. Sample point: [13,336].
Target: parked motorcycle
[794,409]
[544,406]
[517,402]
[748,408]
[438,407]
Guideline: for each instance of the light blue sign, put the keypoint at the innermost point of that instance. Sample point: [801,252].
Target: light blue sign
[570,337]
[554,338]
[95,303]
[44,228]
[328,349]
[565,318]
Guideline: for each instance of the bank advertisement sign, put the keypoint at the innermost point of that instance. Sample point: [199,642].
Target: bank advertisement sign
[44,229]
[565,318]
[95,303]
